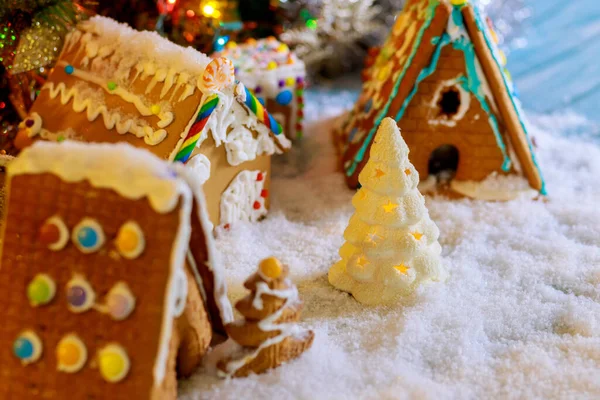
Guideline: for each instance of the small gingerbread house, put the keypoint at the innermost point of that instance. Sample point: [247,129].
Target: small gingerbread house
[109,274]
[441,76]
[114,84]
[275,75]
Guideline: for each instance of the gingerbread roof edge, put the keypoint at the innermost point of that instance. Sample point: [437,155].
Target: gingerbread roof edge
[133,173]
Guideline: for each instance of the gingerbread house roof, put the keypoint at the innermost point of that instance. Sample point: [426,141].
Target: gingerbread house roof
[421,31]
[112,83]
[135,174]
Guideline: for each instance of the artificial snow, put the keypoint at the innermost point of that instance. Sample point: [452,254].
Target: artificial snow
[519,316]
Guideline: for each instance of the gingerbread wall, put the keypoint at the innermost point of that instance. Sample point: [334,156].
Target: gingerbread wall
[34,198]
[479,154]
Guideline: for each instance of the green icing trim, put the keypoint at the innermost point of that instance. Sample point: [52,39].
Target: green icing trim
[360,155]
[482,26]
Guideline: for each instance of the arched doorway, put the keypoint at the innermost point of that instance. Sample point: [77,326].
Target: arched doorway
[443,162]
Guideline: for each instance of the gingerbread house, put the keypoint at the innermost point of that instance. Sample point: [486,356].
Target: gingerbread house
[441,76]
[276,77]
[114,84]
[110,277]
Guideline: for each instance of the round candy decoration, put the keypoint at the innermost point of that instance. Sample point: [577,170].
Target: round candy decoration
[54,233]
[80,295]
[130,240]
[41,290]
[88,236]
[27,347]
[284,98]
[71,354]
[219,74]
[113,362]
[120,302]
[270,268]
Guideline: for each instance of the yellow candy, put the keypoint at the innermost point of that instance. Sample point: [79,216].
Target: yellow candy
[155,109]
[271,65]
[271,268]
[231,45]
[290,81]
[114,363]
[459,2]
[68,354]
[130,240]
[282,48]
[502,58]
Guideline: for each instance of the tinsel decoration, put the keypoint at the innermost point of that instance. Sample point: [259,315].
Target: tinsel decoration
[336,40]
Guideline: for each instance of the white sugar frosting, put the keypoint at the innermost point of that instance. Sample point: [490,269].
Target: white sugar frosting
[133,173]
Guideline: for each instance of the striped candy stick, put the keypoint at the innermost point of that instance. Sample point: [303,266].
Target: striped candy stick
[245,96]
[191,139]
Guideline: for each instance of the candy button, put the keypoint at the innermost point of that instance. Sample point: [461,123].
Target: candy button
[155,109]
[80,295]
[284,98]
[290,81]
[71,354]
[111,86]
[54,233]
[69,69]
[270,268]
[27,347]
[130,240]
[113,362]
[88,235]
[120,302]
[41,290]
[271,65]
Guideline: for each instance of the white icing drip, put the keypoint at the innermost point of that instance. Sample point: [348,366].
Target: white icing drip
[263,288]
[187,92]
[165,117]
[213,263]
[134,173]
[237,201]
[199,165]
[269,324]
[111,119]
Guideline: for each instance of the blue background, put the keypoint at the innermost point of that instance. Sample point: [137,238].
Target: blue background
[559,68]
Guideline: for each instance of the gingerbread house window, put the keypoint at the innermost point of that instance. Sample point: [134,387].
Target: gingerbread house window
[449,102]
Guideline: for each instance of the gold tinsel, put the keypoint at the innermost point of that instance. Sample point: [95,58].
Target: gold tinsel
[39,45]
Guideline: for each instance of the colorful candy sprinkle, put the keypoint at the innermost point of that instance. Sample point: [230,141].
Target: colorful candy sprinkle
[130,240]
[120,302]
[88,235]
[80,295]
[41,290]
[71,354]
[27,347]
[54,233]
[111,85]
[113,362]
[69,69]
[256,205]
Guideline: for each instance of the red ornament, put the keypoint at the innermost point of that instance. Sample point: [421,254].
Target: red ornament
[264,193]
[256,205]
[49,234]
[259,177]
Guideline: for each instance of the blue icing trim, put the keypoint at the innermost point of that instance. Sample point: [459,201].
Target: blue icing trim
[510,89]
[472,83]
[360,155]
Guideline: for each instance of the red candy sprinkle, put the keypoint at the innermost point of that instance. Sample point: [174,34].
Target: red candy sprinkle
[49,234]
[256,205]
[259,177]
[227,226]
[300,113]
[264,193]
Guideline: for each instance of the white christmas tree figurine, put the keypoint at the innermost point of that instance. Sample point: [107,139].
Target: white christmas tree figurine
[391,243]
